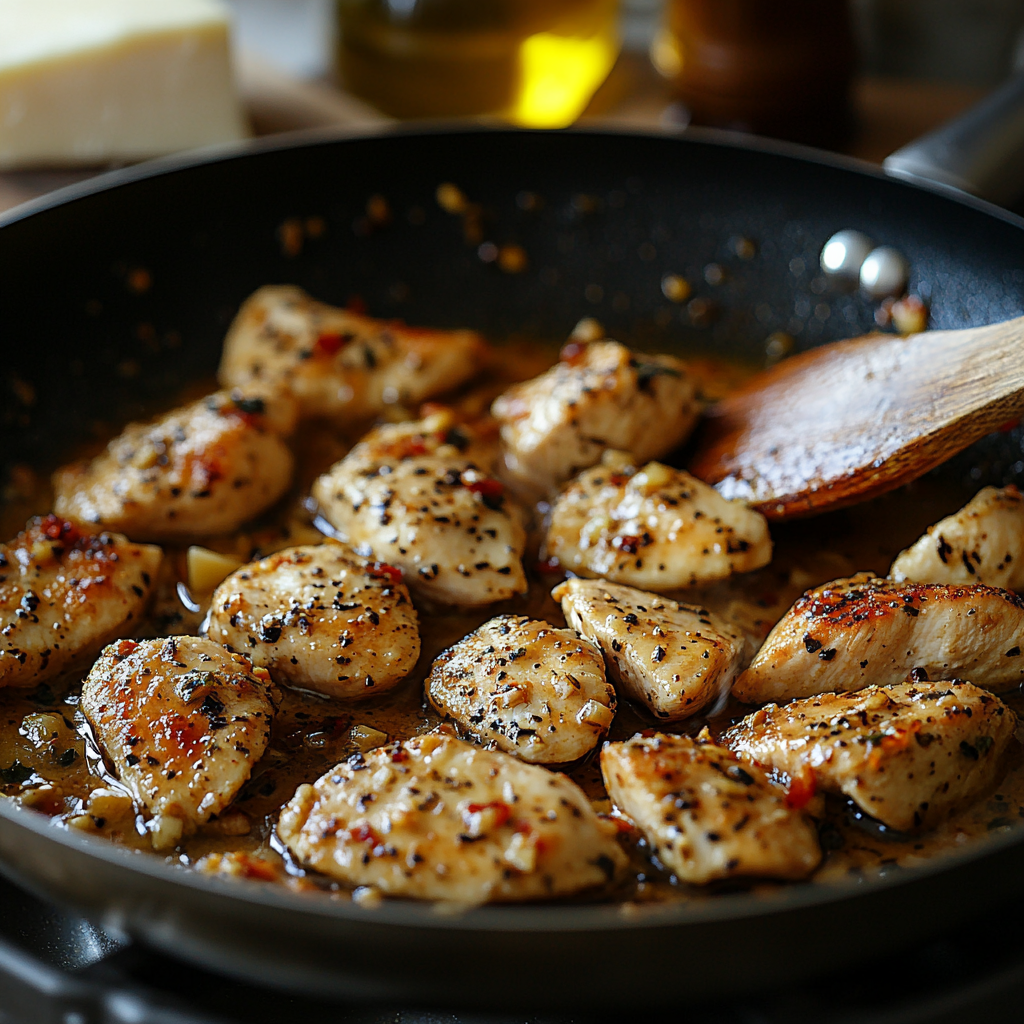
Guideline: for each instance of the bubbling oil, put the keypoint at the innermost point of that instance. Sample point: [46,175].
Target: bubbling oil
[535,63]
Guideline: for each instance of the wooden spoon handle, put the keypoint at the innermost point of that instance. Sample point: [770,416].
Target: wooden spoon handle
[847,421]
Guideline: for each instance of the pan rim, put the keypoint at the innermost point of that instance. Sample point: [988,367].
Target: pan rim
[311,138]
[541,917]
[555,917]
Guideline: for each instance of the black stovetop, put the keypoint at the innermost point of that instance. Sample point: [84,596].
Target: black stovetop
[56,968]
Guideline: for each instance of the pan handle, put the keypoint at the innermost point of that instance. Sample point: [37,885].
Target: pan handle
[981,152]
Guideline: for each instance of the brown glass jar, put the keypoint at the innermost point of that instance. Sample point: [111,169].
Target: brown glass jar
[775,67]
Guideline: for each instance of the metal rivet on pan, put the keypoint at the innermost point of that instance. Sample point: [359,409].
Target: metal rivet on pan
[884,273]
[844,253]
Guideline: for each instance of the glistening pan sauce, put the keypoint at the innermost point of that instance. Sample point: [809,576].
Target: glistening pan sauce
[50,761]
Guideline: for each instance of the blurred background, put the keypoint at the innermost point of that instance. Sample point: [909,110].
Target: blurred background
[859,76]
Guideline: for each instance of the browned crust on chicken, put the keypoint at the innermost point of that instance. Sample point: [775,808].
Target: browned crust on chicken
[865,631]
[908,755]
[65,591]
[534,690]
[656,528]
[339,364]
[598,396]
[706,815]
[182,720]
[322,618]
[438,818]
[674,658]
[202,469]
[421,496]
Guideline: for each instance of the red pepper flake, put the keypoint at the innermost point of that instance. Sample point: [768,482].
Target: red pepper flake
[399,754]
[1008,426]
[410,447]
[573,352]
[328,343]
[801,790]
[618,479]
[334,727]
[381,570]
[502,811]
[55,528]
[487,487]
[630,545]
[364,833]
[551,567]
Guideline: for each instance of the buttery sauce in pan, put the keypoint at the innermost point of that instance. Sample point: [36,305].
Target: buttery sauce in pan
[48,761]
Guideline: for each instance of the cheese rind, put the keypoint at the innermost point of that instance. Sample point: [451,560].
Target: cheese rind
[91,81]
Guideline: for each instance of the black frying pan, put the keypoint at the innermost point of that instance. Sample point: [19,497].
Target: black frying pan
[617,212]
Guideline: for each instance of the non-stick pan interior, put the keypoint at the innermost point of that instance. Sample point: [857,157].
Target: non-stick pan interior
[117,298]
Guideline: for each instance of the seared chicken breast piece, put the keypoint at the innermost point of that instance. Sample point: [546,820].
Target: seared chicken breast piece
[202,469]
[982,543]
[441,819]
[65,591]
[864,631]
[322,618]
[534,690]
[706,815]
[598,396]
[655,528]
[341,365]
[420,496]
[907,754]
[182,720]
[674,658]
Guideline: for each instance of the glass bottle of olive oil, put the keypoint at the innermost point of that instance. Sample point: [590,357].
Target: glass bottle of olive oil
[533,62]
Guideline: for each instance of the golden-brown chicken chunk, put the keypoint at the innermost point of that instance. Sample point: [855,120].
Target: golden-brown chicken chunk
[534,690]
[322,618]
[598,396]
[908,754]
[338,364]
[182,720]
[65,591]
[657,528]
[982,543]
[864,631]
[420,496]
[706,815]
[675,658]
[203,469]
[437,818]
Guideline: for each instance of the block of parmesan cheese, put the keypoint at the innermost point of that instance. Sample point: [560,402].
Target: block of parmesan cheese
[94,81]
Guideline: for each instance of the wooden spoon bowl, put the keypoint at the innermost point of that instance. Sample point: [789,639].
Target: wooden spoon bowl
[848,421]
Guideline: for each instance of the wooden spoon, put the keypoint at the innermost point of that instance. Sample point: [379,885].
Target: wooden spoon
[853,419]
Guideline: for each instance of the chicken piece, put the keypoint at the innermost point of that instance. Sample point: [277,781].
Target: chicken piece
[536,691]
[908,754]
[420,496]
[182,720]
[438,818]
[675,658]
[864,631]
[338,364]
[598,396]
[706,815]
[322,618]
[64,593]
[982,543]
[205,468]
[657,529]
